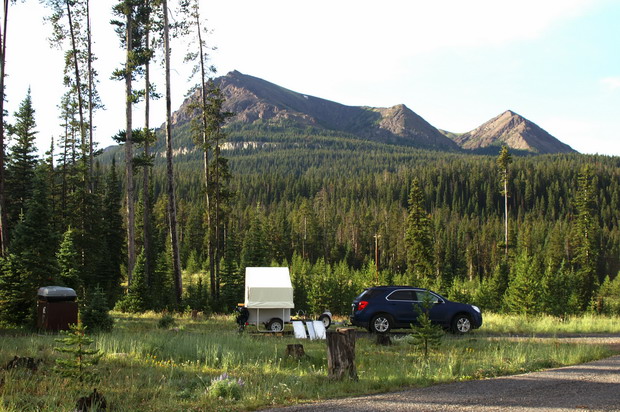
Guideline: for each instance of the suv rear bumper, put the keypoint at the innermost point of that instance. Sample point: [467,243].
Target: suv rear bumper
[356,322]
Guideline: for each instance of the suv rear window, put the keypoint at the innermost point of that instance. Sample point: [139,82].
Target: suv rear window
[402,295]
[367,294]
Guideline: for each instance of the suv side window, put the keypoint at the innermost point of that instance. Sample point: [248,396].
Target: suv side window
[421,295]
[402,295]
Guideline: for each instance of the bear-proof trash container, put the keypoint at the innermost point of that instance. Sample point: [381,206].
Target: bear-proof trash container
[56,308]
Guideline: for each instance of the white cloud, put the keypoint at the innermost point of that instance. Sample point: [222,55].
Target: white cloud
[323,45]
[357,28]
[611,83]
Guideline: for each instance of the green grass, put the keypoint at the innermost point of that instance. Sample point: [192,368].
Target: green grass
[150,369]
[549,325]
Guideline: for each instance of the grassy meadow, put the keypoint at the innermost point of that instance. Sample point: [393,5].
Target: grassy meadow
[206,365]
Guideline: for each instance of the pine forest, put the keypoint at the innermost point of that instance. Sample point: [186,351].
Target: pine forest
[170,218]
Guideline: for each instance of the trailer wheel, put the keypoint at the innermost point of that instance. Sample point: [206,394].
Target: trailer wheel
[275,325]
[326,319]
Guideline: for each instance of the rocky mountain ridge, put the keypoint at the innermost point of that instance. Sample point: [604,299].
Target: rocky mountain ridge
[258,102]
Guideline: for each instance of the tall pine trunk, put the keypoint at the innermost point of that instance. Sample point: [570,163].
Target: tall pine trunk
[172,213]
[506,213]
[217,214]
[76,70]
[210,234]
[91,86]
[146,217]
[3,215]
[131,246]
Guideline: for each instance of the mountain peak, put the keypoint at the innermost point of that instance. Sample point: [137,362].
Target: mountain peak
[514,131]
[257,100]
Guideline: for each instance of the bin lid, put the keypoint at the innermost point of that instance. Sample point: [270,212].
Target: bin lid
[56,292]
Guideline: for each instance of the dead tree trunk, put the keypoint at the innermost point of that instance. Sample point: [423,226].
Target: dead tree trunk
[341,354]
[172,211]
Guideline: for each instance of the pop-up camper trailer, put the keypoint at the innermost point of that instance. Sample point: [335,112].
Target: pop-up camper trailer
[269,300]
[268,297]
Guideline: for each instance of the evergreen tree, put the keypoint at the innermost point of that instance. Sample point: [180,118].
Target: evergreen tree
[162,285]
[95,312]
[68,262]
[71,24]
[608,297]
[22,160]
[128,34]
[16,298]
[172,202]
[558,292]
[3,213]
[232,278]
[523,295]
[586,236]
[113,234]
[254,252]
[197,296]
[138,297]
[490,295]
[418,236]
[87,220]
[35,242]
[503,160]
[82,358]
[426,335]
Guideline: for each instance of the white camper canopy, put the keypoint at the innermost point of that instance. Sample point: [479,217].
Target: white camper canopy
[267,287]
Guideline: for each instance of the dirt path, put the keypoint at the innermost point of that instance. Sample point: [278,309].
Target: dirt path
[593,386]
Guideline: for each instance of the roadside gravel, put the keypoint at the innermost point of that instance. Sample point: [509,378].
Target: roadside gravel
[593,386]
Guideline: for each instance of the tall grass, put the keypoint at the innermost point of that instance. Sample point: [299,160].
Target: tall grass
[150,369]
[549,325]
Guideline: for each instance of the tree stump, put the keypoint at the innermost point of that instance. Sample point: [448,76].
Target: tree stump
[296,350]
[19,362]
[384,339]
[95,402]
[341,354]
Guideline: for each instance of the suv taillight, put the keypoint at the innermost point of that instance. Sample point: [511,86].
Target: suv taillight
[362,304]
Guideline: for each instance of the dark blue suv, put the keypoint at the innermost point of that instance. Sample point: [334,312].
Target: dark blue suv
[382,308]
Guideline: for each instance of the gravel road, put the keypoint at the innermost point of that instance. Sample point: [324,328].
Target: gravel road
[593,386]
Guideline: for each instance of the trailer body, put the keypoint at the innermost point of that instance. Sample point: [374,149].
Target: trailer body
[268,296]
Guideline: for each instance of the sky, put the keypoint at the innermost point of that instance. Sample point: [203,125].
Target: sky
[457,64]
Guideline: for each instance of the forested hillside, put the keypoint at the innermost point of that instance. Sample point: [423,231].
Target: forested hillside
[325,207]
[316,199]
[343,213]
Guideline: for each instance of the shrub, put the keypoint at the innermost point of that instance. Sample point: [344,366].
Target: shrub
[95,314]
[166,321]
[225,387]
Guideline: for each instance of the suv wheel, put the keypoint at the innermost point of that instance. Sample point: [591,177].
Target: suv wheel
[461,324]
[381,323]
